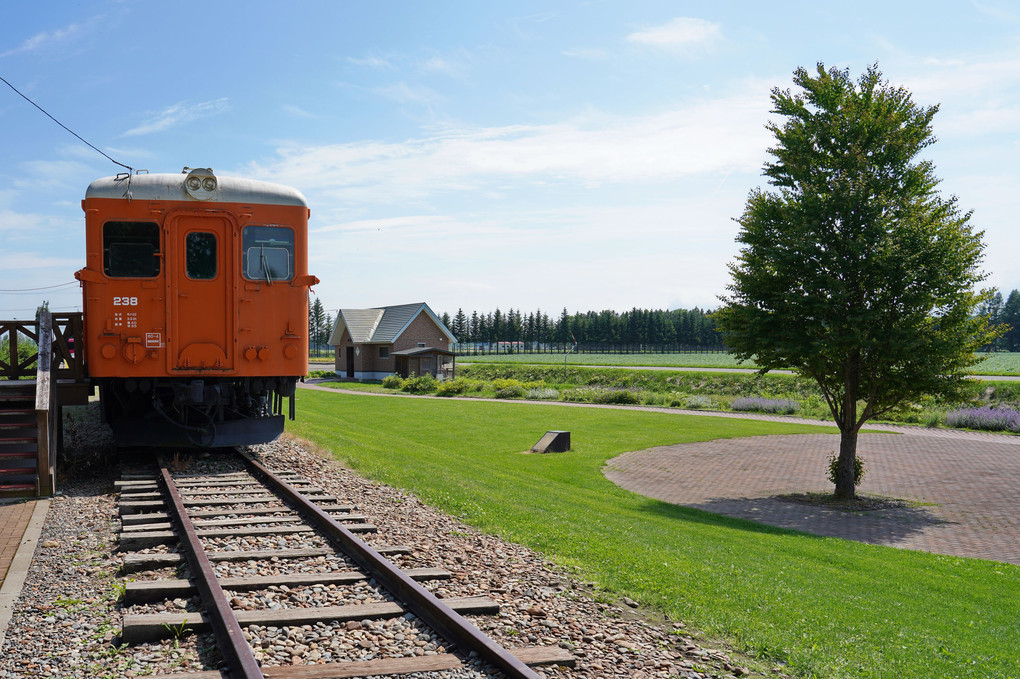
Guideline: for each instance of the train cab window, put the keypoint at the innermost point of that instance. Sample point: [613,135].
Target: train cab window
[131,249]
[268,253]
[200,262]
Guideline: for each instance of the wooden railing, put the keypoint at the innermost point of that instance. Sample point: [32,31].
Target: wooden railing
[52,352]
[66,349]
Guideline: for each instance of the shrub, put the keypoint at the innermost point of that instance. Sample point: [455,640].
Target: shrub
[541,393]
[859,469]
[985,417]
[511,390]
[393,382]
[698,402]
[602,395]
[776,406]
[424,384]
[451,388]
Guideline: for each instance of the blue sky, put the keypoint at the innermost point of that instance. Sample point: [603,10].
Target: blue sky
[587,155]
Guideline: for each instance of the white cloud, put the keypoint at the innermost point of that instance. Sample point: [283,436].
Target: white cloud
[407,94]
[710,136]
[180,114]
[371,62]
[298,112]
[586,53]
[48,40]
[441,65]
[684,35]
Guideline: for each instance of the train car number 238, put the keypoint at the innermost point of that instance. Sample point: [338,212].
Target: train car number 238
[125,301]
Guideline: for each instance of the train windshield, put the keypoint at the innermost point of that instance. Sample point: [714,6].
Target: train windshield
[268,253]
[130,249]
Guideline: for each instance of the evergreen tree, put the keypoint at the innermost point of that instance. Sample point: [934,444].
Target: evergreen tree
[1010,317]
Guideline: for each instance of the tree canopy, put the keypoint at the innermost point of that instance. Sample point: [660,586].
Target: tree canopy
[855,270]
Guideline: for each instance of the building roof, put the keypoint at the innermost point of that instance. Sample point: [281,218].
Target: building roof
[420,351]
[381,325]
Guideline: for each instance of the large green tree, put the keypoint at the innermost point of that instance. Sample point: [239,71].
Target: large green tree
[855,270]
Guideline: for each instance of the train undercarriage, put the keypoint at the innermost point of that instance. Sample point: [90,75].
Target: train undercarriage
[205,412]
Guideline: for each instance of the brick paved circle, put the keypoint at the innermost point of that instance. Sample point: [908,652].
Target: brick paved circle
[972,482]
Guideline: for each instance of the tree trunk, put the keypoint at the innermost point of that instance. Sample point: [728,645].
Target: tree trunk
[846,486]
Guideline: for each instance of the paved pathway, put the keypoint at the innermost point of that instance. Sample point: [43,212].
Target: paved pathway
[967,483]
[971,479]
[14,518]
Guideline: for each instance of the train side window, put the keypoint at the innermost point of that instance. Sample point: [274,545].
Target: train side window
[200,262]
[131,249]
[268,253]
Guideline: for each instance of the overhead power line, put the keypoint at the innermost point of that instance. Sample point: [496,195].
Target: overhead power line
[82,140]
[48,287]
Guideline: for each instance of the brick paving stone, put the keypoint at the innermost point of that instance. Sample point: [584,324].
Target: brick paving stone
[14,518]
[964,484]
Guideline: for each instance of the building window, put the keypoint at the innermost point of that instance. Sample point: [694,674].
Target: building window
[384,352]
[421,345]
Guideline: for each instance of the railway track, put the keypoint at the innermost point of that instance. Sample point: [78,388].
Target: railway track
[329,591]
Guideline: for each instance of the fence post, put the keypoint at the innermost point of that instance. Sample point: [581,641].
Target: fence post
[46,453]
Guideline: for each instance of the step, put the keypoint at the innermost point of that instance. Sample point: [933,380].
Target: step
[16,465]
[18,434]
[18,449]
[17,414]
[16,400]
[14,490]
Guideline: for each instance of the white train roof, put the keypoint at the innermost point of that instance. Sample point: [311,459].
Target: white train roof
[166,186]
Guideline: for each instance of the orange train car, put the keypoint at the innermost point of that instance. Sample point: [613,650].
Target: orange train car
[196,306]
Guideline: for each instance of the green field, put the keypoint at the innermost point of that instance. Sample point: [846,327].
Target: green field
[1001,363]
[693,360]
[827,607]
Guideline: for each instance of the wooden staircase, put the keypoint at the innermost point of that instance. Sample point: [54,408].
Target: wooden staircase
[19,440]
[33,390]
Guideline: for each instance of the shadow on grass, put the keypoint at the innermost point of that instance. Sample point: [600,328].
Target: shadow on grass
[774,515]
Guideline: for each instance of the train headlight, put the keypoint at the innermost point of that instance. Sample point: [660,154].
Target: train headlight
[201,183]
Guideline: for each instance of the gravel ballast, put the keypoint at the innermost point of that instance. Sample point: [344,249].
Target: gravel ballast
[67,620]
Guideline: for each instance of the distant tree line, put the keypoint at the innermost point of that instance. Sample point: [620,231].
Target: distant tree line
[652,328]
[1007,313]
[320,327]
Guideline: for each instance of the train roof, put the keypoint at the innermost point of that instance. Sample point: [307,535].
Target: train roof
[167,186]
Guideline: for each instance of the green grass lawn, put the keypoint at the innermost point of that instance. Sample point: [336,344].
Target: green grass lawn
[1001,363]
[828,607]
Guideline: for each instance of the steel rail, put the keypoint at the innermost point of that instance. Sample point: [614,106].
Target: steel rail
[419,600]
[236,652]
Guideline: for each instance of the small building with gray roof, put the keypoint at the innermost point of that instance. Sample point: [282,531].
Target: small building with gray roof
[370,344]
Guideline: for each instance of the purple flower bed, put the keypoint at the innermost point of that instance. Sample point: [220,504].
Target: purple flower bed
[775,406]
[985,417]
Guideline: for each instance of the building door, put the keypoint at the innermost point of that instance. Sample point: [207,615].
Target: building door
[200,294]
[350,362]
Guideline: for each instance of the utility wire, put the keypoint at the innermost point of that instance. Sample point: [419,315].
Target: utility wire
[129,168]
[48,287]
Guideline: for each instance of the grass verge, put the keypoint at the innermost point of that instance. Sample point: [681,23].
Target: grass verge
[827,607]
